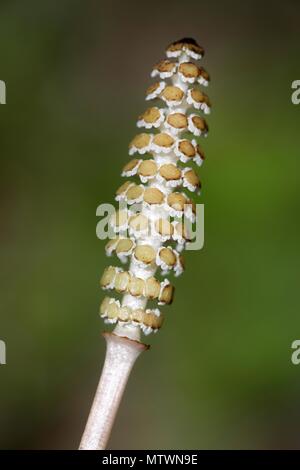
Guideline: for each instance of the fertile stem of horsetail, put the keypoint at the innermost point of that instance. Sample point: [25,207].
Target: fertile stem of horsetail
[151,228]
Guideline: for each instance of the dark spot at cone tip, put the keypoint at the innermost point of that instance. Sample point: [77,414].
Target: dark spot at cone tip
[187,41]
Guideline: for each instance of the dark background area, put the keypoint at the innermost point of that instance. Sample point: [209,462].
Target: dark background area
[219,373]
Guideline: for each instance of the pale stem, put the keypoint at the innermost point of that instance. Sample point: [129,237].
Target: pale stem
[121,354]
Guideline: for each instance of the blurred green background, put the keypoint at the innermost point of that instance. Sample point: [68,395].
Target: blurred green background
[219,373]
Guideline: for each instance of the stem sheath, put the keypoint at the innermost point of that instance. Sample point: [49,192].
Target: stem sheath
[121,354]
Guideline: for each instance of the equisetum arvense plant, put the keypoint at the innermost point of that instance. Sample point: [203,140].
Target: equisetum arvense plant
[151,226]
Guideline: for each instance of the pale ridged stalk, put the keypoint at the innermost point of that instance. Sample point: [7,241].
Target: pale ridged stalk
[121,355]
